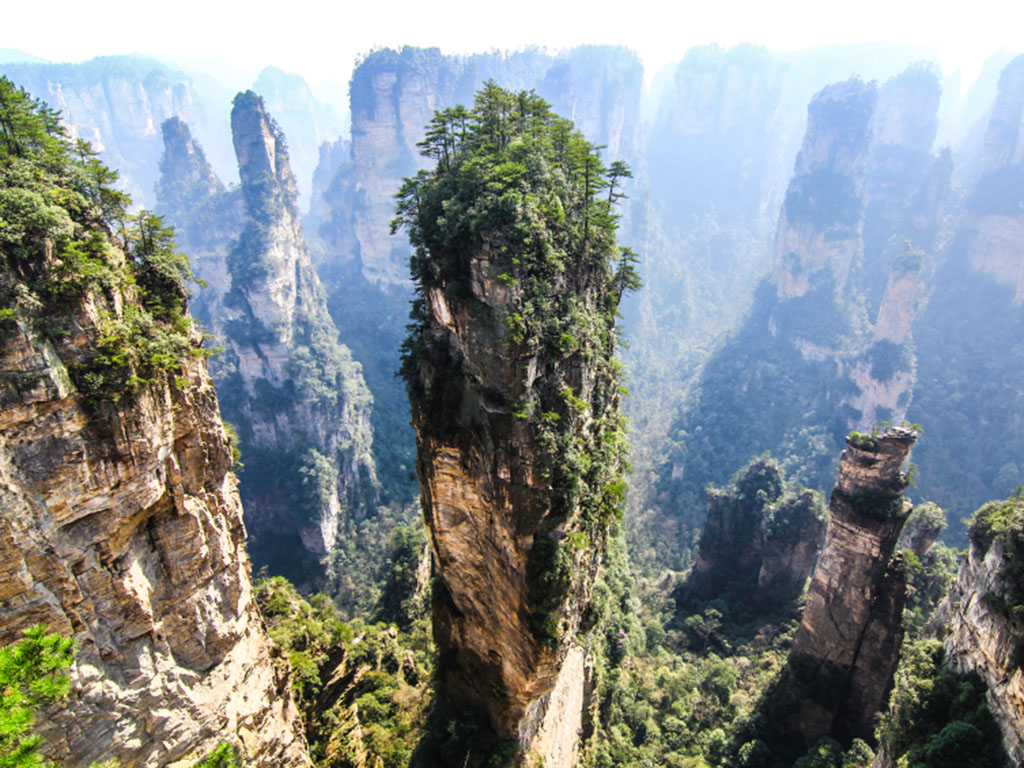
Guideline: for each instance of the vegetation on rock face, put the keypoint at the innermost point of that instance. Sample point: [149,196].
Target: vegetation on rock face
[33,674]
[517,183]
[69,244]
[365,689]
[938,718]
[1002,522]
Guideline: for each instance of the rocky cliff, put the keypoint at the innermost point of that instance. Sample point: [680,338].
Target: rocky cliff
[827,346]
[117,103]
[979,621]
[288,385]
[122,526]
[394,94]
[307,121]
[841,665]
[207,217]
[514,399]
[967,339]
[760,539]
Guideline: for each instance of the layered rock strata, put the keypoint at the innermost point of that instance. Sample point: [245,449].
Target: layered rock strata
[840,668]
[514,393]
[122,528]
[488,507]
[982,636]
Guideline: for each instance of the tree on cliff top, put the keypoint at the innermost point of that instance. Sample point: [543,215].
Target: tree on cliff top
[513,178]
[65,234]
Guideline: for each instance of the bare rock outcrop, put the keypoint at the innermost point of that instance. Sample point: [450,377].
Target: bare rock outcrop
[287,384]
[980,631]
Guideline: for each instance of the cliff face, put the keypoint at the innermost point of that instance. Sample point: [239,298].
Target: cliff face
[488,506]
[978,638]
[126,533]
[514,397]
[979,619]
[117,103]
[760,539]
[290,388]
[206,216]
[841,665]
[970,329]
[121,523]
[306,121]
[394,94]
[827,346]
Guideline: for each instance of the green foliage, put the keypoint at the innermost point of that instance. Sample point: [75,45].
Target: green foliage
[760,516]
[515,181]
[862,440]
[662,698]
[33,674]
[829,753]
[970,351]
[404,599]
[937,717]
[825,200]
[65,235]
[375,679]
[1002,522]
[224,756]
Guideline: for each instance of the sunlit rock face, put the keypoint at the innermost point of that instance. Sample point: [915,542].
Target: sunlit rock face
[488,504]
[122,527]
[841,665]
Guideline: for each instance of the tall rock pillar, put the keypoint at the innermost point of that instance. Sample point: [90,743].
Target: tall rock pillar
[514,394]
[843,657]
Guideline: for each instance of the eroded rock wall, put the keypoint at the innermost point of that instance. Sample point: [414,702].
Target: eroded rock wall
[978,638]
[487,503]
[122,527]
[292,390]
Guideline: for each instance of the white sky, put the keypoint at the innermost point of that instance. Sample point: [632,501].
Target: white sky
[320,40]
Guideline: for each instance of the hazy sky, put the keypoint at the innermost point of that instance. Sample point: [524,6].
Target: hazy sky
[321,40]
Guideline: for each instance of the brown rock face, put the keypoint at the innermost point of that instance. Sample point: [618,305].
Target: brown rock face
[125,531]
[843,657]
[488,506]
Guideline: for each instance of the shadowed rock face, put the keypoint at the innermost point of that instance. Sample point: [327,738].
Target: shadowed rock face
[841,665]
[123,528]
[760,539]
